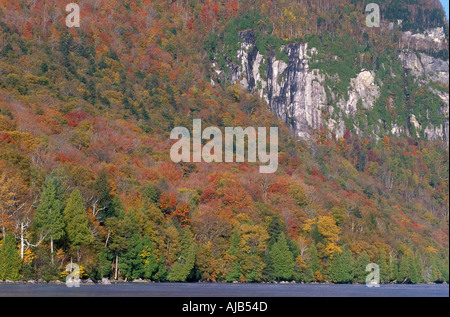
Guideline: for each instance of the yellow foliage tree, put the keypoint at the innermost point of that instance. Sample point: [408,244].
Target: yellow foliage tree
[328,228]
[330,232]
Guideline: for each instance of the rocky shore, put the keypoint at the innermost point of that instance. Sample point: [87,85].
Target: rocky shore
[106,281]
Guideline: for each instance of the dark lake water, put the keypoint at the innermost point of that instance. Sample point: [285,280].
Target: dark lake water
[223,290]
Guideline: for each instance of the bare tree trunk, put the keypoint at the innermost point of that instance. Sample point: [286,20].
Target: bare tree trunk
[51,249]
[21,242]
[78,255]
[3,226]
[117,266]
[107,239]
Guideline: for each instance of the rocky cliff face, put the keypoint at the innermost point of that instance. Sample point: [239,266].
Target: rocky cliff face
[427,69]
[297,94]
[294,92]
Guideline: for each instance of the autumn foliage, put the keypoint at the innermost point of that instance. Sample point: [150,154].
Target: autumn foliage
[93,109]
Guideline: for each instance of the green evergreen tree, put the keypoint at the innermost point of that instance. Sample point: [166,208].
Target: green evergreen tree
[77,222]
[10,262]
[312,263]
[103,263]
[133,265]
[150,263]
[393,268]
[234,272]
[117,242]
[105,197]
[439,269]
[151,193]
[409,271]
[360,272]
[44,67]
[243,261]
[433,268]
[65,43]
[445,271]
[419,267]
[341,267]
[282,259]
[182,269]
[384,267]
[275,229]
[48,220]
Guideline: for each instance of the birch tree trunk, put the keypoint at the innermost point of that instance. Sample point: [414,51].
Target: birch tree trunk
[117,266]
[21,242]
[51,248]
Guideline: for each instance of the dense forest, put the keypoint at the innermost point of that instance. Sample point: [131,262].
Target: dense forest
[86,176]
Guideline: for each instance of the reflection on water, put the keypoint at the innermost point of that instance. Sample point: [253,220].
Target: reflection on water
[225,290]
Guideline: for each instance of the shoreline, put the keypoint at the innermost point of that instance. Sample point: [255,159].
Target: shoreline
[140,281]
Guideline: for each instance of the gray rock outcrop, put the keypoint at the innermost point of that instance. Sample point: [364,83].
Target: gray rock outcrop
[297,94]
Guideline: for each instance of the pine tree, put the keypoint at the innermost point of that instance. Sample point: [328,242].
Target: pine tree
[77,222]
[133,265]
[275,229]
[341,267]
[48,220]
[117,240]
[392,267]
[384,268]
[445,271]
[360,268]
[233,254]
[282,259]
[103,191]
[419,267]
[150,261]
[10,262]
[104,263]
[439,269]
[409,269]
[313,266]
[182,269]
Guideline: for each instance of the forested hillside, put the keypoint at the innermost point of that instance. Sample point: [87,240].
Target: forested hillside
[85,169]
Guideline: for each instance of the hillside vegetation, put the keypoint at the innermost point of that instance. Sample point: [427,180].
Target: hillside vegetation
[86,176]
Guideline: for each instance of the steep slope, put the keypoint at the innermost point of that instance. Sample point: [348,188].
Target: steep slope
[86,115]
[339,82]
